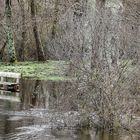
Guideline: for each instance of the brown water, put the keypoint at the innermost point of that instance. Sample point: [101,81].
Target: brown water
[47,111]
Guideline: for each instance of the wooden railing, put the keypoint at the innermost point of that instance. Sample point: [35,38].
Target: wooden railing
[5,84]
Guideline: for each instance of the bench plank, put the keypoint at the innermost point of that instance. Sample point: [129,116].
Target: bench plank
[10,75]
[8,83]
[10,98]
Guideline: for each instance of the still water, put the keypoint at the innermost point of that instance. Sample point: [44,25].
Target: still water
[44,111]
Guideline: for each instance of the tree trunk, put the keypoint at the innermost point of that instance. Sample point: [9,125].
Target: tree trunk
[22,47]
[2,51]
[131,35]
[39,48]
[10,37]
[98,35]
[54,28]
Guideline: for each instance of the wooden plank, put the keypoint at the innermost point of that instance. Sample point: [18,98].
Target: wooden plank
[10,98]
[8,83]
[10,74]
[5,91]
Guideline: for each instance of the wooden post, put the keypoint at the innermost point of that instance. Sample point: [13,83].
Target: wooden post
[2,79]
[17,80]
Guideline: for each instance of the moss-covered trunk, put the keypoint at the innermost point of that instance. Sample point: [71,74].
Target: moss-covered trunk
[10,38]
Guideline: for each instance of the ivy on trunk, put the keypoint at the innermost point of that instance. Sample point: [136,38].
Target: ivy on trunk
[10,38]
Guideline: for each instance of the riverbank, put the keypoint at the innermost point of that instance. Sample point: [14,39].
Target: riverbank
[50,70]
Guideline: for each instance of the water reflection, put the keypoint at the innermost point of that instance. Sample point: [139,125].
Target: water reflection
[49,94]
[47,99]
[86,134]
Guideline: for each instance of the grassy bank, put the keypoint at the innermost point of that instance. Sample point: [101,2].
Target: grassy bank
[50,70]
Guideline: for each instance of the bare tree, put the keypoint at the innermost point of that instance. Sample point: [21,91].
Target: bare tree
[55,21]
[39,48]
[22,47]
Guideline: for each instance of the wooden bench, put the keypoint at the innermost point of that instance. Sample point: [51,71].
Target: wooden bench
[4,76]
[10,98]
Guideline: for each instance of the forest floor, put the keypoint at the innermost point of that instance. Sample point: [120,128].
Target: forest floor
[50,70]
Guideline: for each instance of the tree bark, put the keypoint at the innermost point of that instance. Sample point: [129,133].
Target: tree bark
[56,10]
[98,35]
[2,50]
[22,47]
[10,38]
[39,48]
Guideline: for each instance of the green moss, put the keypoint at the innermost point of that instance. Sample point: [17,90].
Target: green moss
[50,70]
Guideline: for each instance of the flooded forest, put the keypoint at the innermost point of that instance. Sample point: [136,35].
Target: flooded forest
[69,69]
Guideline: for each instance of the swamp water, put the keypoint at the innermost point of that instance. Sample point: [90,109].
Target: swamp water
[47,111]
